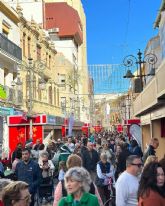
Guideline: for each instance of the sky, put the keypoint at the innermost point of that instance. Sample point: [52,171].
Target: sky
[117,28]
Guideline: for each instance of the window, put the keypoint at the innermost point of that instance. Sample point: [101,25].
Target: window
[34,87]
[50,95]
[54,95]
[62,79]
[39,93]
[5,28]
[58,97]
[27,85]
[29,42]
[24,43]
[63,104]
[38,52]
[6,72]
[49,61]
[46,59]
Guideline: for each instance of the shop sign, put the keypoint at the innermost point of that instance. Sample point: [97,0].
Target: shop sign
[3,94]
[51,119]
[5,111]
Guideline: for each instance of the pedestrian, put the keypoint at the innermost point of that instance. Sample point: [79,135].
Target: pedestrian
[19,148]
[77,183]
[121,162]
[135,149]
[70,144]
[60,191]
[162,163]
[90,158]
[105,149]
[3,184]
[18,157]
[62,170]
[37,145]
[149,159]
[16,194]
[28,171]
[128,182]
[152,186]
[154,144]
[105,175]
[46,165]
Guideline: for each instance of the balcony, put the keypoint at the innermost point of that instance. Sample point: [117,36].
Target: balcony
[153,94]
[10,48]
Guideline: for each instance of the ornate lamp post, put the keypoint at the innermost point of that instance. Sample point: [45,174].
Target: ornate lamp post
[131,60]
[32,67]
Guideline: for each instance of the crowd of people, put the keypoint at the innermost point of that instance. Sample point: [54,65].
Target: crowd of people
[103,169]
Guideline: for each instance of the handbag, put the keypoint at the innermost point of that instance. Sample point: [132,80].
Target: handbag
[99,182]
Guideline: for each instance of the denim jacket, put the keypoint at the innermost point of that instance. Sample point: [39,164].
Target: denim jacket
[29,173]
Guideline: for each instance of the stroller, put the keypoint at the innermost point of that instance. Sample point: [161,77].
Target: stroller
[46,187]
[45,190]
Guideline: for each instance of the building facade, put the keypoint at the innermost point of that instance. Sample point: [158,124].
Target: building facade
[149,104]
[10,56]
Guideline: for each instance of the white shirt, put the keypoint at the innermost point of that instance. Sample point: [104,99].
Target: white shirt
[126,190]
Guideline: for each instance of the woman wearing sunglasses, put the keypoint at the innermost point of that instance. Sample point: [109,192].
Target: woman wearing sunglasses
[152,186]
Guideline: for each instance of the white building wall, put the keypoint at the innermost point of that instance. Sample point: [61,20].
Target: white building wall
[67,47]
[5,60]
[31,9]
[14,34]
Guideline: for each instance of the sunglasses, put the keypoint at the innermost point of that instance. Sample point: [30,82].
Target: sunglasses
[138,165]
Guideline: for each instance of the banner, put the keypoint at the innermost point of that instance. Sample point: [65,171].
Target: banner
[70,125]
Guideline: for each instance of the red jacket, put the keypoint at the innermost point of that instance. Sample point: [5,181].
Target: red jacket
[154,199]
[1,204]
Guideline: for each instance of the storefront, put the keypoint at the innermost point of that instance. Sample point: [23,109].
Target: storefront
[4,112]
[19,129]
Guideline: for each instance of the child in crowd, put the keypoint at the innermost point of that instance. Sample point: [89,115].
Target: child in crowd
[62,170]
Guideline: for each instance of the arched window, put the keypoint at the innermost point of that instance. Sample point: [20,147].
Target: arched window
[50,95]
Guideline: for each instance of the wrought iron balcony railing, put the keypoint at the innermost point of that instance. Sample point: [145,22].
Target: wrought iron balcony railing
[10,48]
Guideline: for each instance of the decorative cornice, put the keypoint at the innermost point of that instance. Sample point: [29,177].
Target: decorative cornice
[9,12]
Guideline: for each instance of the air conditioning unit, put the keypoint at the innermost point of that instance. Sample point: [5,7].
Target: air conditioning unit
[53,30]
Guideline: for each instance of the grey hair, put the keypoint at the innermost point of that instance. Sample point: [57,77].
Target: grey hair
[79,174]
[44,153]
[130,159]
[4,183]
[104,156]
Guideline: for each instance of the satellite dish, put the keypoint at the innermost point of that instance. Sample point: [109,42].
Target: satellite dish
[136,133]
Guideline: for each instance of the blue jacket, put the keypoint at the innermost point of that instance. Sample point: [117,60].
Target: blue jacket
[29,173]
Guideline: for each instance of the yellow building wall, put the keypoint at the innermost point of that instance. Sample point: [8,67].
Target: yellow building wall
[156,130]
[145,136]
[32,38]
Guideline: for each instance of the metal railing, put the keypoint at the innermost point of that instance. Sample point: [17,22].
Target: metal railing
[10,48]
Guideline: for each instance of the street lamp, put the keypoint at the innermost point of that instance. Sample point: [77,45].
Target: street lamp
[31,68]
[131,60]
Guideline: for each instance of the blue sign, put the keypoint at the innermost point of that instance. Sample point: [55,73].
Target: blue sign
[6,111]
[51,119]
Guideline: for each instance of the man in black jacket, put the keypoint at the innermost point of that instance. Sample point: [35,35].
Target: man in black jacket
[90,158]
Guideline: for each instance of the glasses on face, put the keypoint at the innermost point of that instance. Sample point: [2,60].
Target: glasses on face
[138,164]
